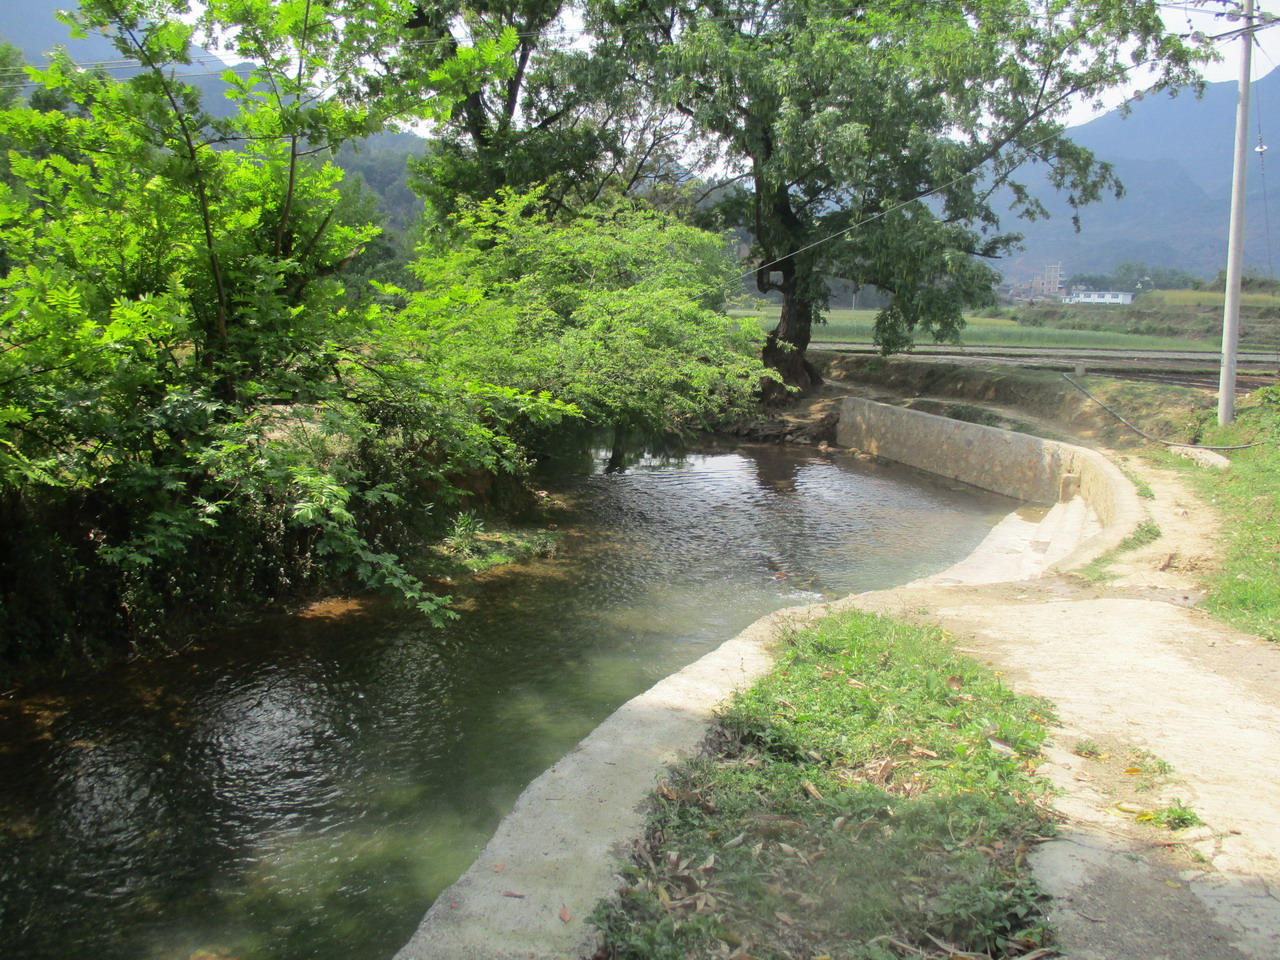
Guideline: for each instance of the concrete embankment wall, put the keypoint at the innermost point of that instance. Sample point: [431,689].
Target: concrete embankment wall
[1013,464]
[531,889]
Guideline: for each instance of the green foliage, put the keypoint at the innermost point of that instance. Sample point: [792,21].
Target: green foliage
[1135,278]
[561,116]
[194,413]
[471,546]
[617,312]
[873,786]
[870,138]
[1253,281]
[202,402]
[1246,590]
[1175,816]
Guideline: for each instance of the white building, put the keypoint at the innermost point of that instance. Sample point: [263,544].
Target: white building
[1099,296]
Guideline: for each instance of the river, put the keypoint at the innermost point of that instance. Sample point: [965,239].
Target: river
[303,787]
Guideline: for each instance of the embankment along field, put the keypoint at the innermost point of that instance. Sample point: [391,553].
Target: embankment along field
[1162,320]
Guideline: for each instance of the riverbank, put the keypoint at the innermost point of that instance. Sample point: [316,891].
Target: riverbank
[1137,626]
[875,793]
[1168,723]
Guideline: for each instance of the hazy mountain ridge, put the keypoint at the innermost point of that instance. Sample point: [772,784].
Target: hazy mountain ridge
[1173,154]
[1174,157]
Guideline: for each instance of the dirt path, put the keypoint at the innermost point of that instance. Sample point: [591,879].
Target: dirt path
[1156,704]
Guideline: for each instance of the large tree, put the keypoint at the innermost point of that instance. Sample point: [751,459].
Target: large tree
[872,140]
[192,411]
[565,115]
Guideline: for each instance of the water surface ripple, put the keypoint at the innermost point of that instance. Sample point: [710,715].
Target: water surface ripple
[302,789]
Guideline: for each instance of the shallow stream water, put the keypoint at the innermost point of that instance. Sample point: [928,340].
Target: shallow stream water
[304,787]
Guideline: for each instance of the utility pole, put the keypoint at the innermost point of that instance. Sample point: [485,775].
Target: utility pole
[1235,236]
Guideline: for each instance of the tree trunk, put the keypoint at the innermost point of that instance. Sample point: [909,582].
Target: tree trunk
[784,350]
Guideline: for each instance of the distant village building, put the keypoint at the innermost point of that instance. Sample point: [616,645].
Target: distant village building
[1099,296]
[1048,282]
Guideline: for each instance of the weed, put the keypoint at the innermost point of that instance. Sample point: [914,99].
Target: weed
[1150,764]
[1176,816]
[1151,771]
[1140,486]
[875,785]
[1147,532]
[1087,748]
[1246,591]
[971,414]
[464,536]
[471,547]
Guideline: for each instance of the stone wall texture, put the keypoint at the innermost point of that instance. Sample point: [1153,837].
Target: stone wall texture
[1014,464]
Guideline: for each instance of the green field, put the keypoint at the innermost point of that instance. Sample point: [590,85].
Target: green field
[856,326]
[1209,298]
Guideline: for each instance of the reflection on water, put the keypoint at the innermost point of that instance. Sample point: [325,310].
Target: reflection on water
[304,788]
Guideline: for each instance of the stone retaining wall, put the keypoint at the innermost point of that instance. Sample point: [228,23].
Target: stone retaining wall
[529,893]
[1013,464]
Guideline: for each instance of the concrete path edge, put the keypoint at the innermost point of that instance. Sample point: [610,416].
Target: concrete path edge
[530,891]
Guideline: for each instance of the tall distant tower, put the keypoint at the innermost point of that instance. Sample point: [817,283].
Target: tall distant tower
[1048,282]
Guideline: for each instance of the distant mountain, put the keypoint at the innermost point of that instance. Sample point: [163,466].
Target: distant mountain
[1173,154]
[32,27]
[1174,157]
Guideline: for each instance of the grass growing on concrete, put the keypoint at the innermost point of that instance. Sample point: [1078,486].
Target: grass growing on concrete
[1148,531]
[873,797]
[1246,591]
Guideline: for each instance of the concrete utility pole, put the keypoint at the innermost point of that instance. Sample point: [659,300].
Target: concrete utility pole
[1235,237]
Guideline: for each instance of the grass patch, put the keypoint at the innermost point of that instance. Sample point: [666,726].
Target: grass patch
[1176,816]
[973,414]
[1246,591]
[876,789]
[1140,486]
[1148,531]
[987,417]
[858,326]
[1209,298]
[471,546]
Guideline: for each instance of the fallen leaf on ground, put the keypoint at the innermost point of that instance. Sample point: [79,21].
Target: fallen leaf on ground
[499,868]
[517,896]
[565,915]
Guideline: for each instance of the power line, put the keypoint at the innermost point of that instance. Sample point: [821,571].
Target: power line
[569,33]
[1269,21]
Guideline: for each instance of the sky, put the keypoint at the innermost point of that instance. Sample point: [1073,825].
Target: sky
[1181,16]
[1208,19]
